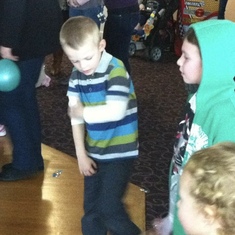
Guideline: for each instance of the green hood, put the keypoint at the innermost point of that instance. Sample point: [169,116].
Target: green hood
[217,46]
[215,98]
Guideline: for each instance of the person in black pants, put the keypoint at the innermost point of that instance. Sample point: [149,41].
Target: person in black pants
[28,32]
[123,16]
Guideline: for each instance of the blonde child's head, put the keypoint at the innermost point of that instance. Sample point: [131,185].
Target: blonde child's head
[81,41]
[209,180]
[77,31]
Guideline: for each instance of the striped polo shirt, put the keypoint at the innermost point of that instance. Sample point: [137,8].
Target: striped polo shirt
[109,140]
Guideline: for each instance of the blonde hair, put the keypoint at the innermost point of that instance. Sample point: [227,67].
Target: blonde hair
[77,31]
[213,173]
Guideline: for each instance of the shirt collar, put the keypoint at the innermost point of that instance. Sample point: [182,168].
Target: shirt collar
[104,62]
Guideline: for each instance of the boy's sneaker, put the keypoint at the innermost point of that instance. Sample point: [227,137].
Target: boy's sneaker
[2,130]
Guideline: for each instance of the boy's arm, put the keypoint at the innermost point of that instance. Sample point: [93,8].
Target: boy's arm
[113,110]
[75,110]
[86,165]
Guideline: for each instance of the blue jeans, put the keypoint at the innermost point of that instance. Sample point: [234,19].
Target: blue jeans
[20,114]
[117,33]
[89,12]
[103,194]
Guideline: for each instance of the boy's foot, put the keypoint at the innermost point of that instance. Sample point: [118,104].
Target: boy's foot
[2,130]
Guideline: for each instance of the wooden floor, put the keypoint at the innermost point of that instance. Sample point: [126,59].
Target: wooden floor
[48,205]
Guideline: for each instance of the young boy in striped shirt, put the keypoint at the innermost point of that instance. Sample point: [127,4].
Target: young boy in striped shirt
[103,112]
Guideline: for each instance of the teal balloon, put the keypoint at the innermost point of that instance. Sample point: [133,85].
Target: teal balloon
[9,75]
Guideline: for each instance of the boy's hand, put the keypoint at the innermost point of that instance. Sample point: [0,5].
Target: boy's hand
[87,166]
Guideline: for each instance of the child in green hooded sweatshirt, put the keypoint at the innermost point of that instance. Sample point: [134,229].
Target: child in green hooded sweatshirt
[207,60]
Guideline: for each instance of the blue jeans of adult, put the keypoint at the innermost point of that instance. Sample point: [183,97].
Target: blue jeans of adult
[117,33]
[20,114]
[89,12]
[103,194]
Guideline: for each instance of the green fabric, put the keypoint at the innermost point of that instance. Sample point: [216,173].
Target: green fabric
[214,119]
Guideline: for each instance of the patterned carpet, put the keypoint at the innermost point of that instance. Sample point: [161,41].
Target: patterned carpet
[161,96]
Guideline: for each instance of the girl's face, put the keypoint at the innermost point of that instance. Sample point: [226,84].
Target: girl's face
[190,63]
[192,217]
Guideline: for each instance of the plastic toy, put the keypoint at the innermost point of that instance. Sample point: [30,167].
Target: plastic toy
[149,24]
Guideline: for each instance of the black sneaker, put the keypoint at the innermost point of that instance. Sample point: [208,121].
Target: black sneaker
[13,174]
[9,165]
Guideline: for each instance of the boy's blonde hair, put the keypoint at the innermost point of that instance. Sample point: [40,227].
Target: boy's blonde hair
[77,31]
[213,174]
